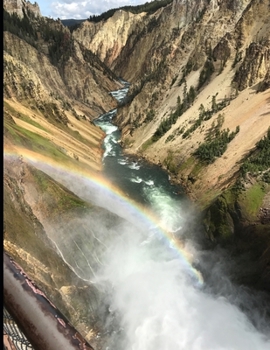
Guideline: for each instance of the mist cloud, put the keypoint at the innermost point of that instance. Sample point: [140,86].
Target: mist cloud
[150,301]
[159,308]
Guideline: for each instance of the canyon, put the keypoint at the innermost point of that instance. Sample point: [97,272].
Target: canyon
[196,69]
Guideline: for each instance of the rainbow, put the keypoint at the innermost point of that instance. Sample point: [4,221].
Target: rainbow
[142,214]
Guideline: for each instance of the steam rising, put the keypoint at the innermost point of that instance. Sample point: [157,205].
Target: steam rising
[150,300]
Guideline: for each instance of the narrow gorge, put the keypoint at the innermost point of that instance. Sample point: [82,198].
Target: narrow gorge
[142,209]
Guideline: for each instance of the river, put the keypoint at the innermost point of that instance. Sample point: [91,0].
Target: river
[146,183]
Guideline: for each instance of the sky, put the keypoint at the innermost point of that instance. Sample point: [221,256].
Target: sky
[81,9]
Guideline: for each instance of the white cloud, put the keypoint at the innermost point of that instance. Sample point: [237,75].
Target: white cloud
[83,9]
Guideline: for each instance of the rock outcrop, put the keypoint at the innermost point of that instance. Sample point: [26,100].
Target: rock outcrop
[107,39]
[255,66]
[21,6]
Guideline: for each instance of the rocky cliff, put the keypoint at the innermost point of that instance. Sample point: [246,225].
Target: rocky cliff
[53,89]
[20,7]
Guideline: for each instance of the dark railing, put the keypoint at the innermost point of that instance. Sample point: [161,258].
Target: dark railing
[13,336]
[31,321]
